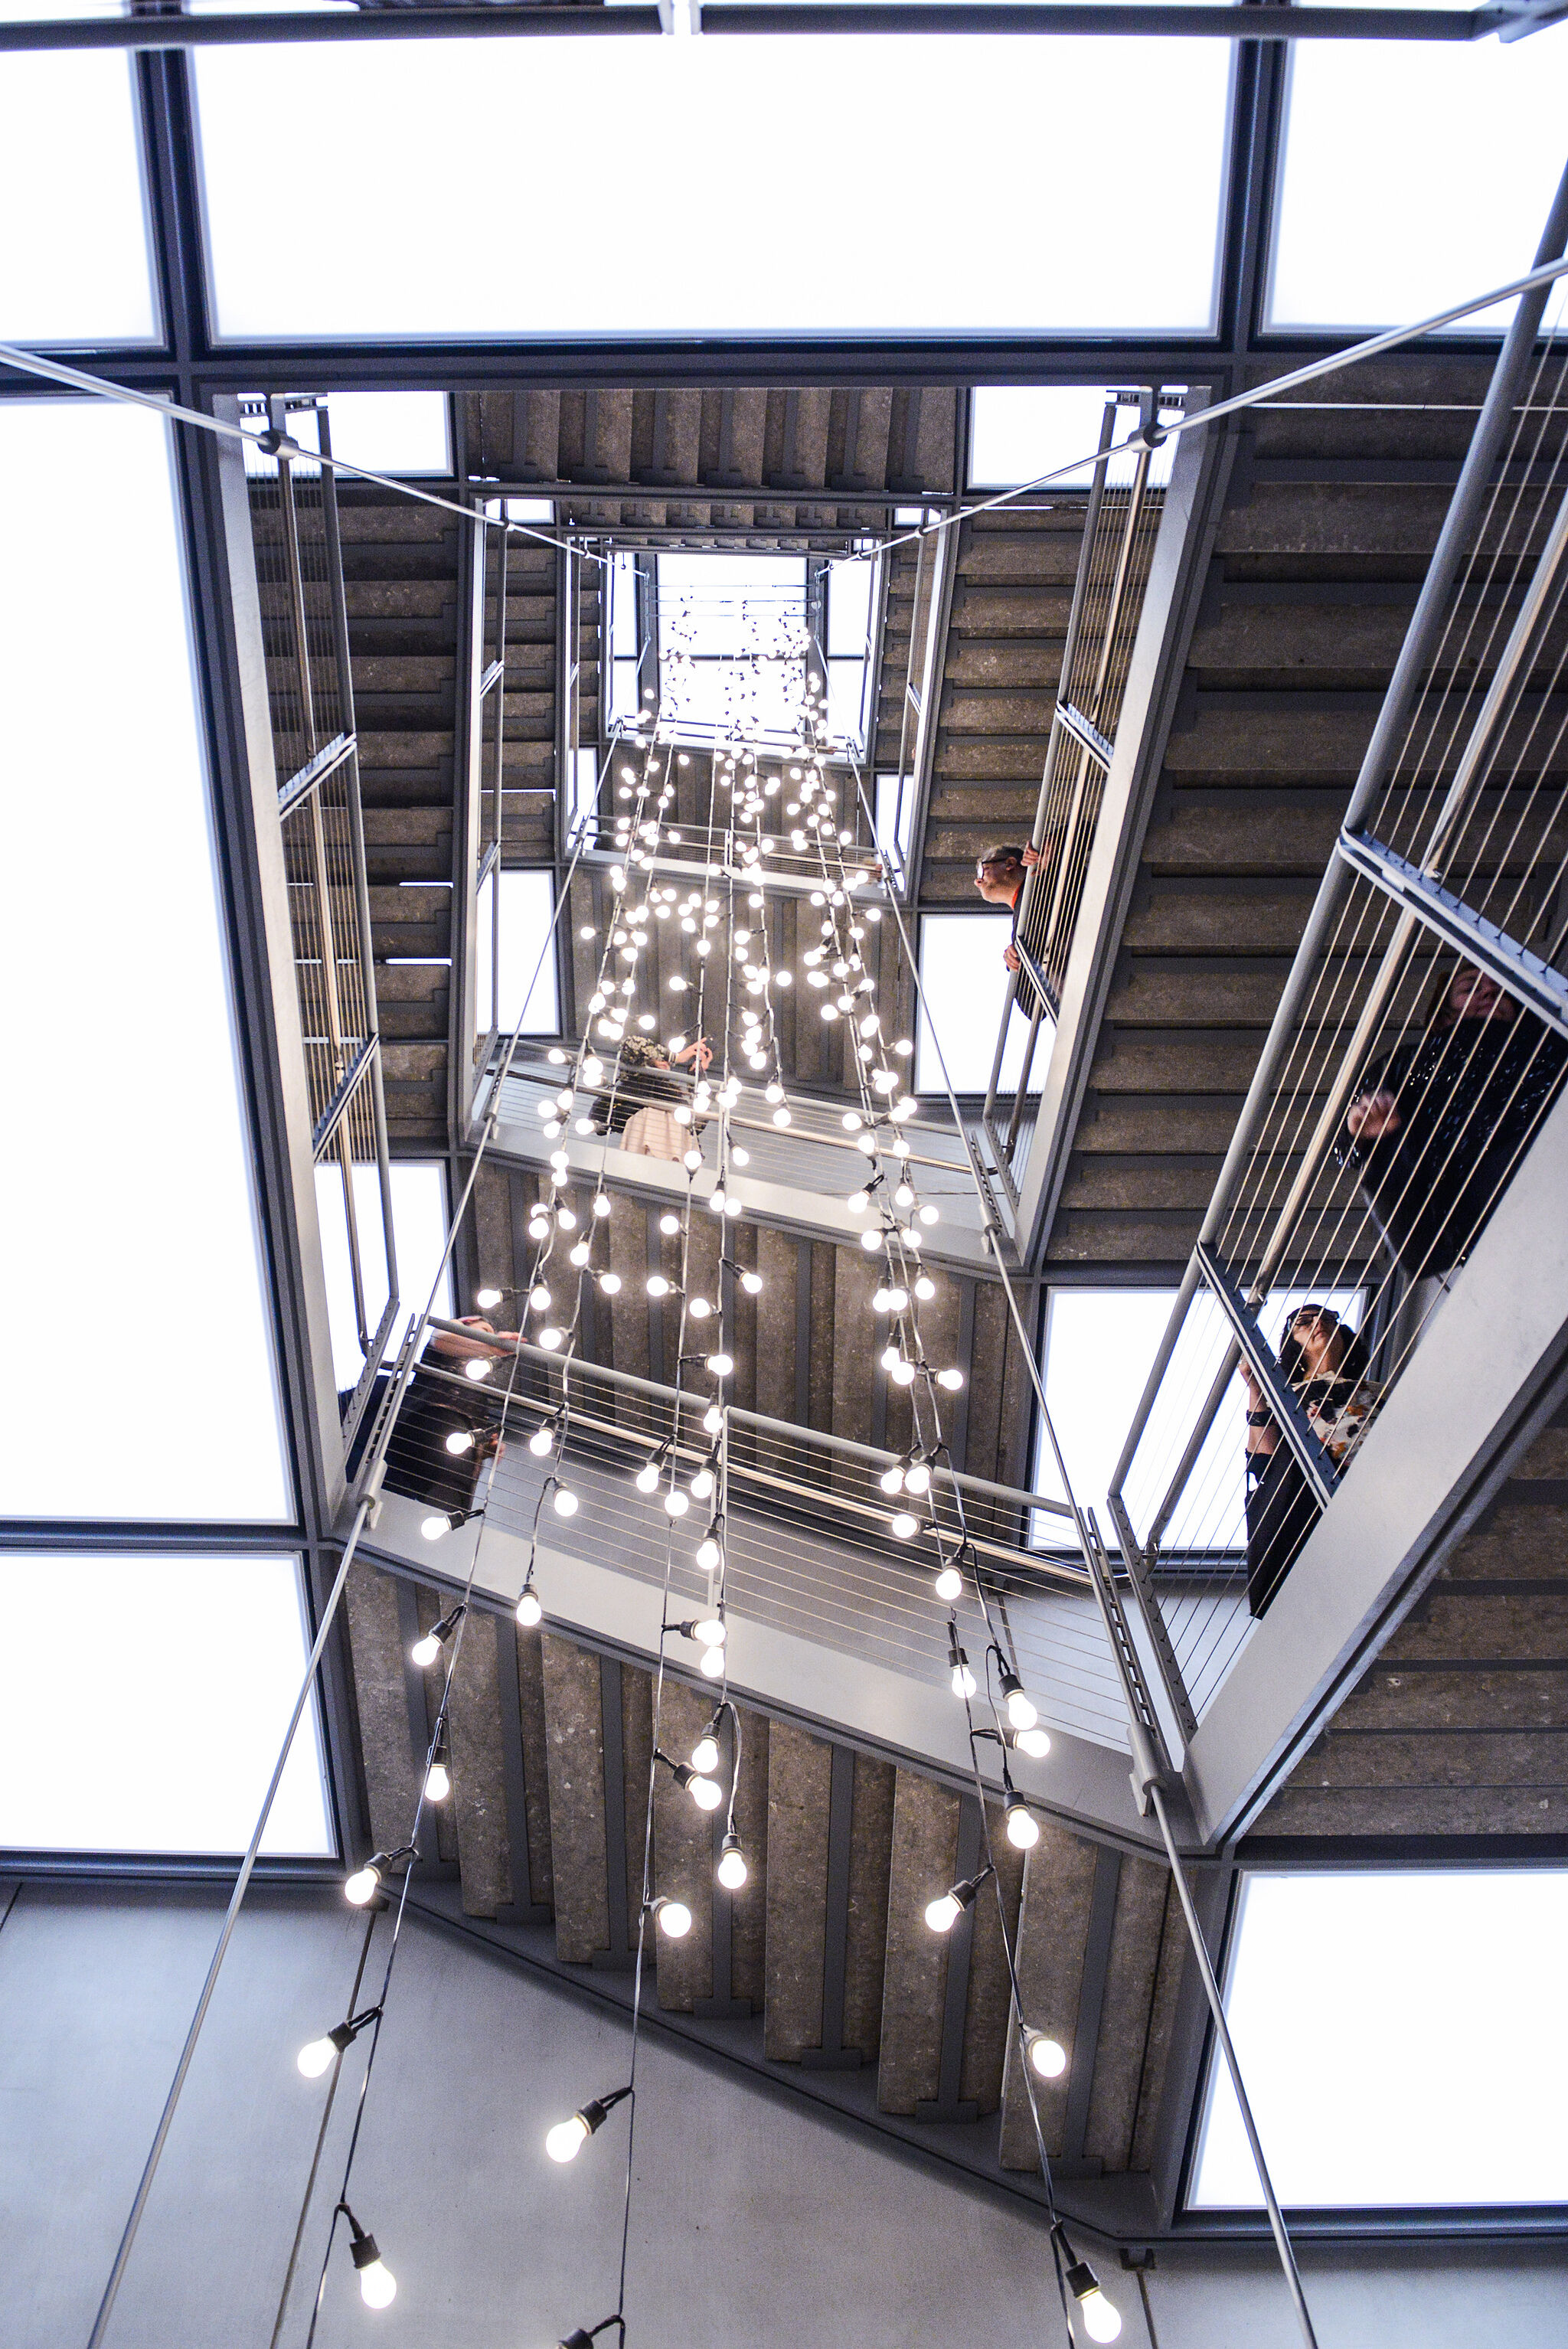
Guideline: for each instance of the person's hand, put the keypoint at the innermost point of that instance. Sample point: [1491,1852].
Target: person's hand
[1010,957]
[700,1052]
[1371,1115]
[1032,856]
[1251,1377]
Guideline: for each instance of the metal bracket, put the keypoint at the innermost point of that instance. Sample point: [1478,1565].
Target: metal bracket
[1522,975]
[1075,723]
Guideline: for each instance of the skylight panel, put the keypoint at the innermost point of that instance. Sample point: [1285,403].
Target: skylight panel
[1387,2060]
[375,143]
[731,640]
[963,975]
[1423,176]
[75,262]
[894,808]
[116,925]
[162,1734]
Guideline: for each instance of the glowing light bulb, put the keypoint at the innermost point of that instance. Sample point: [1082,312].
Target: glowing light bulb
[565,1502]
[905,1524]
[658,1285]
[705,1755]
[943,1913]
[529,1611]
[701,1485]
[542,1441]
[892,1482]
[963,1681]
[551,1338]
[705,1793]
[438,1783]
[925,1288]
[1047,2056]
[377,2284]
[710,1633]
[1101,2320]
[858,1201]
[610,1282]
[362,1886]
[647,1477]
[871,1240]
[314,2058]
[485,1297]
[711,1663]
[1022,1826]
[950,1378]
[1022,1710]
[669,1226]
[720,1365]
[675,1919]
[566,2140]
[1034,1742]
[433,1526]
[476,1368]
[918,1477]
[902,1373]
[425,1651]
[732,1869]
[708,1553]
[580,1254]
[752,1283]
[676,1502]
[949,1584]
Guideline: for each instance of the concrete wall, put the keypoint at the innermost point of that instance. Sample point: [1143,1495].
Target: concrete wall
[753,2222]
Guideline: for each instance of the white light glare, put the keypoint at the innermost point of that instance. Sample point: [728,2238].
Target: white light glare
[1022,1710]
[675,1918]
[1048,2056]
[529,1611]
[425,1651]
[566,2140]
[950,1583]
[705,1755]
[438,1783]
[1034,1742]
[1101,2320]
[377,2284]
[943,1913]
[314,2058]
[705,1793]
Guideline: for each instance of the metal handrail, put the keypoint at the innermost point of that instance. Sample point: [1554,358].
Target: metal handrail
[1360,859]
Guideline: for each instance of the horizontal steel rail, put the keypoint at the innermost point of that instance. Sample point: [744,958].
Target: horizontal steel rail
[1071,20]
[1524,975]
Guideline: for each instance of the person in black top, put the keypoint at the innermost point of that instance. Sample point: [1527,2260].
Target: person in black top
[1437,1131]
[1326,1365]
[1000,876]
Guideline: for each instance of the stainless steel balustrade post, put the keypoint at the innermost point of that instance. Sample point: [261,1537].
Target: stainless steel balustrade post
[347,724]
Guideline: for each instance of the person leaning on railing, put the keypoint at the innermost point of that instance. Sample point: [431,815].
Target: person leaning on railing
[1000,876]
[1438,1130]
[1325,1366]
[419,1464]
[641,1111]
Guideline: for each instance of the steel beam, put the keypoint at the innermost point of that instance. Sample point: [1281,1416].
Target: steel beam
[1070,19]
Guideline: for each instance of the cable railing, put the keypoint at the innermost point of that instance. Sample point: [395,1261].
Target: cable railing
[1420,1042]
[1122,524]
[808,1541]
[305,617]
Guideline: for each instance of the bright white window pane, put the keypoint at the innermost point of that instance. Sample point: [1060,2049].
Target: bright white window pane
[419,1230]
[535,511]
[74,260]
[964,977]
[223,1642]
[849,588]
[1403,2038]
[392,431]
[529,1004]
[117,934]
[586,787]
[895,817]
[1019,432]
[624,695]
[376,143]
[1423,176]
[846,693]
[624,607]
[726,613]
